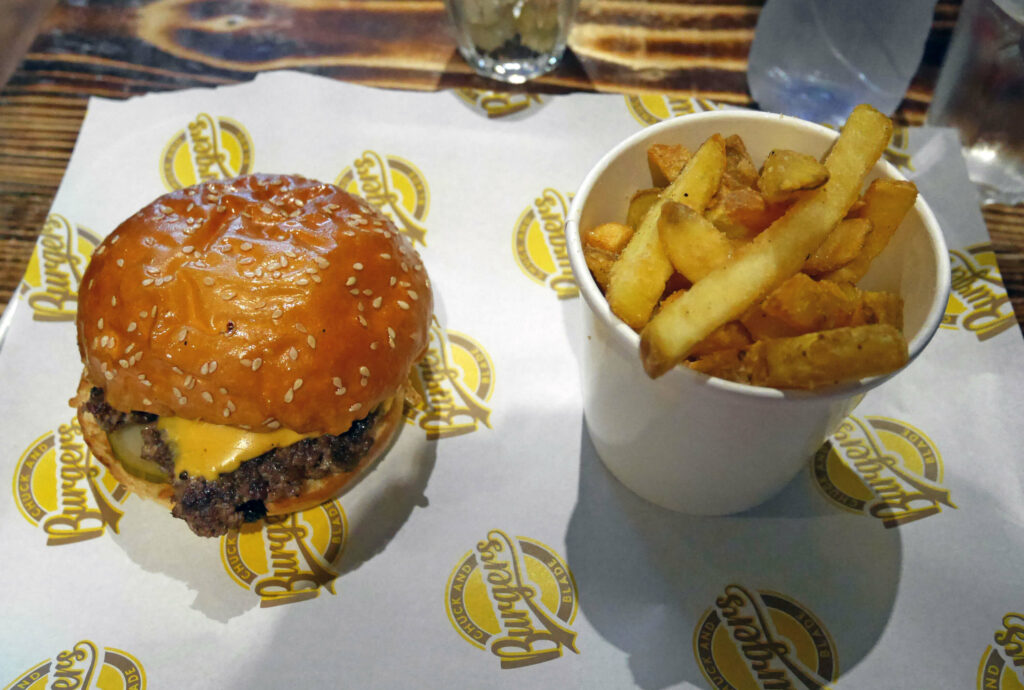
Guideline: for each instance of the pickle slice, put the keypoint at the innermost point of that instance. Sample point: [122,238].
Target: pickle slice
[126,442]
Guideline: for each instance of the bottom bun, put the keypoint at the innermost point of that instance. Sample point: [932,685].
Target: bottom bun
[314,491]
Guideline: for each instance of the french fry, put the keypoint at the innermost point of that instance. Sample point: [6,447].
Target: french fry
[666,161]
[806,305]
[813,360]
[740,171]
[886,202]
[771,257]
[741,212]
[639,204]
[692,243]
[638,278]
[762,326]
[840,248]
[730,336]
[785,172]
[601,247]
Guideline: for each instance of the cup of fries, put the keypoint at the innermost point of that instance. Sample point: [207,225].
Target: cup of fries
[746,278]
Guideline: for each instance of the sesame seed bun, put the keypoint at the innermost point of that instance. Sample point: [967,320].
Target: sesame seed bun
[263,302]
[259,302]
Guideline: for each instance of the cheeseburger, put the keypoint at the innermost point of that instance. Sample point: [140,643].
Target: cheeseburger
[247,345]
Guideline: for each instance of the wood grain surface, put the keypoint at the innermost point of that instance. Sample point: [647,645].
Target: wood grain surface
[119,49]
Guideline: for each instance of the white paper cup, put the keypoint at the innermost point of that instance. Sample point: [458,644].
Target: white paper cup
[698,444]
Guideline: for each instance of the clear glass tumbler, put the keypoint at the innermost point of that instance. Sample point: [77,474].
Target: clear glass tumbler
[512,40]
[981,92]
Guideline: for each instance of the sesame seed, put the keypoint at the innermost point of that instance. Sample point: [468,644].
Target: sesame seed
[276,274]
[120,263]
[147,282]
[208,281]
[289,395]
[302,281]
[245,362]
[316,279]
[355,407]
[290,254]
[283,262]
[176,391]
[147,401]
[300,328]
[226,412]
[363,382]
[109,375]
[357,266]
[274,425]
[223,390]
[277,314]
[392,281]
[405,267]
[350,282]
[182,400]
[190,207]
[257,363]
[322,262]
[207,397]
[188,249]
[205,369]
[413,295]
[128,350]
[113,301]
[385,255]
[377,302]
[132,326]
[364,371]
[229,295]
[312,342]
[361,307]
[402,304]
[245,246]
[123,363]
[374,345]
[104,340]
[190,382]
[146,383]
[177,371]
[99,324]
[183,333]
[231,406]
[297,385]
[367,292]
[246,260]
[213,366]
[341,391]
[293,353]
[354,291]
[404,283]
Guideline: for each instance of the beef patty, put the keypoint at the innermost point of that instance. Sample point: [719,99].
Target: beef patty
[211,508]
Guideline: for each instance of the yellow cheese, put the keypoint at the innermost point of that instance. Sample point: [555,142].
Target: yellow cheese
[209,450]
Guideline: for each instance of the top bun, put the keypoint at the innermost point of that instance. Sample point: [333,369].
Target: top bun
[261,302]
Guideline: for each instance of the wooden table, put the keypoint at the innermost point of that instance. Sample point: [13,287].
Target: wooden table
[104,48]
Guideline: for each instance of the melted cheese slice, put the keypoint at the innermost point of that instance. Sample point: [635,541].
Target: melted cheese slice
[209,450]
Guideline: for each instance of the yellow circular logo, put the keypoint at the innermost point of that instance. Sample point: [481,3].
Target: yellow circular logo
[291,557]
[60,488]
[395,187]
[454,381]
[515,598]
[1002,664]
[763,640]
[897,153]
[978,302]
[650,109]
[539,243]
[84,666]
[884,468]
[55,269]
[495,104]
[209,148]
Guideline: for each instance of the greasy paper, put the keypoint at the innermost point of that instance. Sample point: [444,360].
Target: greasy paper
[491,548]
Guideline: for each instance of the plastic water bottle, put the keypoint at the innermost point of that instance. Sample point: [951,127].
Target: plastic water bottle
[818,59]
